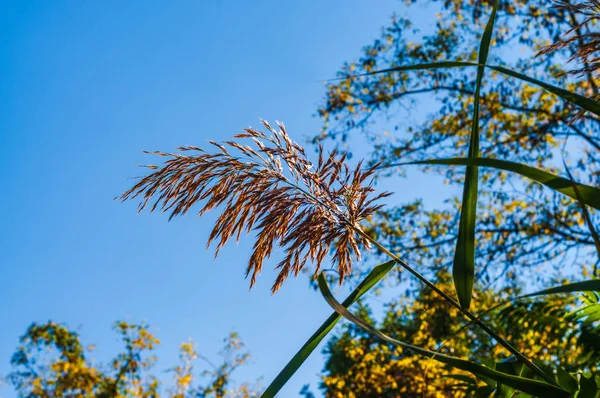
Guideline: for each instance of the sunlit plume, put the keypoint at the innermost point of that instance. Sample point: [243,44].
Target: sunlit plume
[269,187]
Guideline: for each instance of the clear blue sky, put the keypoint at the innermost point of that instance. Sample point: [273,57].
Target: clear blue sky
[84,86]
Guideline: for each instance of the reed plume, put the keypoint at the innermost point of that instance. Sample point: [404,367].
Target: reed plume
[269,187]
[582,38]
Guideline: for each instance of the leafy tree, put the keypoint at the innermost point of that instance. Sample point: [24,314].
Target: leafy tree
[51,362]
[311,209]
[521,226]
[328,208]
[358,365]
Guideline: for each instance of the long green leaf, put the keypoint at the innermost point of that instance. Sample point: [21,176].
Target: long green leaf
[584,210]
[588,194]
[566,380]
[292,366]
[592,297]
[465,312]
[463,378]
[584,102]
[588,312]
[583,312]
[463,268]
[423,66]
[591,319]
[588,387]
[584,286]
[577,99]
[534,387]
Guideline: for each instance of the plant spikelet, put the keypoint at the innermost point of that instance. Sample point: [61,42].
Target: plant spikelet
[270,187]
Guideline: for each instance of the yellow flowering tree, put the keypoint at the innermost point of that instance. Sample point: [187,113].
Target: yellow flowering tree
[509,228]
[414,115]
[51,362]
[360,365]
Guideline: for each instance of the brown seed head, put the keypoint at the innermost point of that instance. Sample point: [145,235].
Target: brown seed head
[269,187]
[583,36]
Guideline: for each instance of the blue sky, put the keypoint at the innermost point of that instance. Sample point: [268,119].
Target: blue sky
[84,87]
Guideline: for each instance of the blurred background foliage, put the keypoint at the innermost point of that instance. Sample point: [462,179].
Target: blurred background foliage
[51,362]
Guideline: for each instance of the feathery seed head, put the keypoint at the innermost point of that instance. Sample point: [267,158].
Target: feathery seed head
[271,188]
[582,38]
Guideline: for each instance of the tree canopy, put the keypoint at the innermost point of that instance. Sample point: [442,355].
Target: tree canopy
[524,231]
[51,361]
[522,227]
[359,365]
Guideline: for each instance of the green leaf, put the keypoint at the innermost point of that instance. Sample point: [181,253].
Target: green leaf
[585,286]
[534,387]
[463,268]
[591,319]
[583,312]
[588,387]
[492,365]
[547,368]
[588,194]
[566,380]
[424,66]
[577,99]
[510,366]
[486,39]
[584,102]
[580,100]
[586,214]
[294,364]
[588,311]
[592,297]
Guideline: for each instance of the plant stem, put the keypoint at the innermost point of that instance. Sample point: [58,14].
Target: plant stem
[472,317]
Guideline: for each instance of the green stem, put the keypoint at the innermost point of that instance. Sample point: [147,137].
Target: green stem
[472,317]
[432,286]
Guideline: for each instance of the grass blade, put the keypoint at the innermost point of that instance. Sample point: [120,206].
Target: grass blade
[533,387]
[567,380]
[577,99]
[591,319]
[582,312]
[464,311]
[292,366]
[584,102]
[584,286]
[587,194]
[589,311]
[584,210]
[463,268]
[423,66]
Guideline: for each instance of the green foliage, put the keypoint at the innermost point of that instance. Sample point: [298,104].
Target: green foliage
[512,122]
[588,195]
[517,374]
[371,280]
[463,267]
[519,225]
[540,329]
[502,378]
